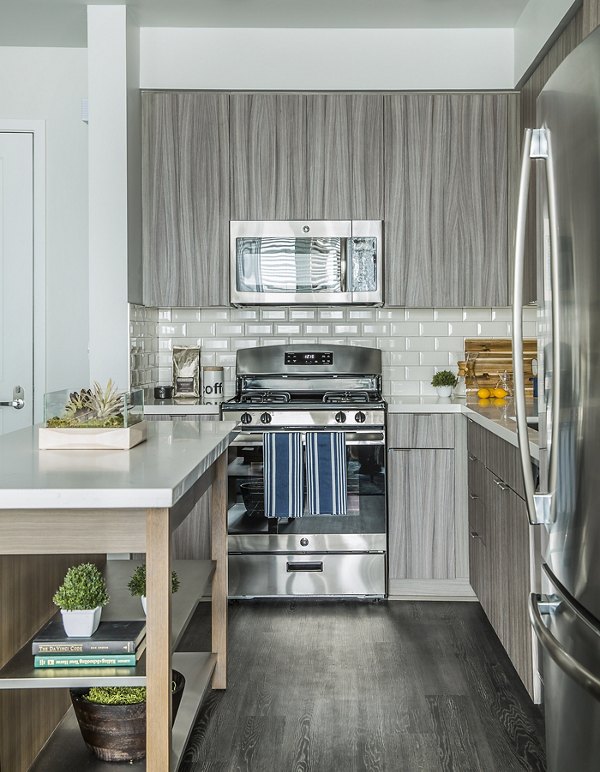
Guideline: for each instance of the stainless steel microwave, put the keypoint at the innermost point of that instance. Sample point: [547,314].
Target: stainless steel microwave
[303,262]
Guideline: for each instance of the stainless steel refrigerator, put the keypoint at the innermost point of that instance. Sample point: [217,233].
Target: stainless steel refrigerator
[565,146]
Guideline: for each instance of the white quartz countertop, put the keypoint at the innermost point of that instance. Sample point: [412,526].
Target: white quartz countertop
[155,473]
[495,418]
[177,407]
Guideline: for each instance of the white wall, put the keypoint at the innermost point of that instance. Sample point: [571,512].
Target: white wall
[535,26]
[321,59]
[48,84]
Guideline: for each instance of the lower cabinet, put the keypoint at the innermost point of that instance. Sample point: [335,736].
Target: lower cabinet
[499,538]
[427,529]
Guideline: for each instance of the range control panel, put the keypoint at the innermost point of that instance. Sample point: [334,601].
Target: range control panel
[308,358]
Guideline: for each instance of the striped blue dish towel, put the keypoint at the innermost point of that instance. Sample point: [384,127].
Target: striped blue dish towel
[283,474]
[326,482]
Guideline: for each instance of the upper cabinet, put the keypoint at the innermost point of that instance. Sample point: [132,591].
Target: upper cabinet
[446,189]
[268,157]
[298,156]
[185,206]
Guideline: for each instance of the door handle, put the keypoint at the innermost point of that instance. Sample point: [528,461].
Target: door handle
[18,400]
[316,565]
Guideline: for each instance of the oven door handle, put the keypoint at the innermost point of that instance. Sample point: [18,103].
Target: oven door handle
[315,566]
[251,439]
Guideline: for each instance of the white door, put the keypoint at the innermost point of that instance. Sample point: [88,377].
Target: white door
[16,279]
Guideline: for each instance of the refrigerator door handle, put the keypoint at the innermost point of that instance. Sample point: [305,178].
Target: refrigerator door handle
[580,674]
[517,334]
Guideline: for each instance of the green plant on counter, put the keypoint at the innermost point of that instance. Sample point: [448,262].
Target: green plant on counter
[94,408]
[137,583]
[83,588]
[444,378]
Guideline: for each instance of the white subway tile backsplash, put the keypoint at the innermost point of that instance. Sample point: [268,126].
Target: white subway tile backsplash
[302,314]
[447,314]
[432,329]
[419,343]
[414,342]
[405,328]
[287,329]
[364,314]
[463,329]
[493,329]
[185,315]
[259,329]
[171,330]
[435,358]
[419,314]
[316,329]
[347,329]
[273,314]
[331,314]
[477,314]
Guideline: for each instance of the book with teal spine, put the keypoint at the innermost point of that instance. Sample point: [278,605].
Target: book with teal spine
[84,660]
[110,638]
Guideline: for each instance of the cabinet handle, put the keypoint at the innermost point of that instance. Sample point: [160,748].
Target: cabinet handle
[501,485]
[475,535]
[473,496]
[472,457]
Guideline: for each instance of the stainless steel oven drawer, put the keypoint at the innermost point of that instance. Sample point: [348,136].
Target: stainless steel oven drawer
[314,575]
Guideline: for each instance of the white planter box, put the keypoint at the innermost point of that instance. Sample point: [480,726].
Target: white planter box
[81,624]
[92,439]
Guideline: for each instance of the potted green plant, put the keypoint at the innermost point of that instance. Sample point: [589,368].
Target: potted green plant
[80,599]
[444,381]
[112,719]
[137,583]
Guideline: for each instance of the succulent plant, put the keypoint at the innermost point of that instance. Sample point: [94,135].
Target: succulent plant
[78,407]
[105,403]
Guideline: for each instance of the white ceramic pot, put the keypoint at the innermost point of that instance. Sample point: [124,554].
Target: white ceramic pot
[143,599]
[444,391]
[81,624]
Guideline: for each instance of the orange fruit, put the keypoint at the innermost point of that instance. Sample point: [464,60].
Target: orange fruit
[484,394]
[499,392]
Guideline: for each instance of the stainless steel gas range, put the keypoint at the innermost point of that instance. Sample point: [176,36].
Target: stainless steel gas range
[298,393]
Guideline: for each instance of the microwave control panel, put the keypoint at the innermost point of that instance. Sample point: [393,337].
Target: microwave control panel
[308,358]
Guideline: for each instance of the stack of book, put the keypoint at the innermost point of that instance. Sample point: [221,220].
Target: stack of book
[114,644]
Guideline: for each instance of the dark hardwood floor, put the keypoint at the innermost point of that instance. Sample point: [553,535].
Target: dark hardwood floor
[321,686]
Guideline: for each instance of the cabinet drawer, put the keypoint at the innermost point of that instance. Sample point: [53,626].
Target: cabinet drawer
[503,460]
[420,431]
[476,441]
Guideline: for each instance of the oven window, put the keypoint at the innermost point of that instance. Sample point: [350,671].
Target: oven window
[365,465]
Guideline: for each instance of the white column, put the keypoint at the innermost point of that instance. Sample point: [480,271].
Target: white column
[108,193]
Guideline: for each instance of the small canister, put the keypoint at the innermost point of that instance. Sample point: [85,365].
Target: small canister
[212,385]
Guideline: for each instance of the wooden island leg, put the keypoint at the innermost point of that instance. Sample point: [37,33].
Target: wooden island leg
[218,516]
[158,640]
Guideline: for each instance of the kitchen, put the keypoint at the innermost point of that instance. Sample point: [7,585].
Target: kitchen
[416,335]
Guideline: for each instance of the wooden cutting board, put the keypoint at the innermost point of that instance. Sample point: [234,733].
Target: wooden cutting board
[494,356]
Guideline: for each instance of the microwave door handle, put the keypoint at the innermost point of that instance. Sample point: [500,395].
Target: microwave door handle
[344,265]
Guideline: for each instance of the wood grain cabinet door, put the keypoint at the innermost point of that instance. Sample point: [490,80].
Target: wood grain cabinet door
[344,155]
[185,198]
[421,514]
[445,199]
[268,157]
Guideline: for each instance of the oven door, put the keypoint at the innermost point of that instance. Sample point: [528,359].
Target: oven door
[363,529]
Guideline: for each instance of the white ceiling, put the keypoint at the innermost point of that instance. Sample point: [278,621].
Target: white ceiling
[63,22]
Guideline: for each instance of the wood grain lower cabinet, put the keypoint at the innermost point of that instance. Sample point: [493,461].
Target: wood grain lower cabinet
[421,531]
[446,188]
[185,198]
[499,546]
[428,549]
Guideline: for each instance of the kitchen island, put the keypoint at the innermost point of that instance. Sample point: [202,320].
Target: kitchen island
[67,502]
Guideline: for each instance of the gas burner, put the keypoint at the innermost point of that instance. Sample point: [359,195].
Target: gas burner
[345,396]
[264,397]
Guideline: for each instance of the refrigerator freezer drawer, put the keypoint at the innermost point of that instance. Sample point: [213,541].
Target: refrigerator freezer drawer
[571,666]
[308,575]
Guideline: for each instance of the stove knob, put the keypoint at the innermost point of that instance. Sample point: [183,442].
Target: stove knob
[360,417]
[340,417]
[304,542]
[246,418]
[265,418]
